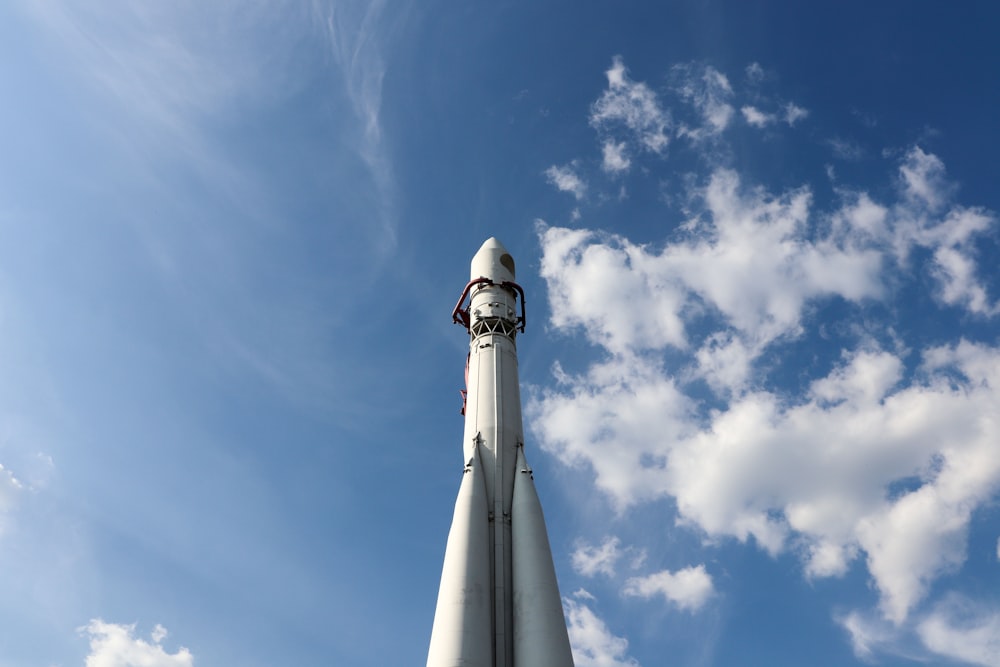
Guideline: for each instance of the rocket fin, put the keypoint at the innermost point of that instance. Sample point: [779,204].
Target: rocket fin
[462,635]
[540,637]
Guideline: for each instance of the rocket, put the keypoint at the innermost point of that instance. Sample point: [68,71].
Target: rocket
[498,604]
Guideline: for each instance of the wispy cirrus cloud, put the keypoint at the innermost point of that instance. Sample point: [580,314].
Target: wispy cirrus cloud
[358,36]
[160,75]
[172,95]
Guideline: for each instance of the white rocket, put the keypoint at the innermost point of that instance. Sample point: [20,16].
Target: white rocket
[499,604]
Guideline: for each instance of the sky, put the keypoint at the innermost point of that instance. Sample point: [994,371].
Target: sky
[759,244]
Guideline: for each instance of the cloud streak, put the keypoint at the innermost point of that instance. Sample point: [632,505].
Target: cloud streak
[357,35]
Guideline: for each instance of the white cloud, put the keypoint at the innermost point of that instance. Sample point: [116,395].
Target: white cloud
[818,469]
[767,262]
[162,78]
[114,645]
[150,66]
[755,73]
[593,643]
[763,270]
[794,113]
[565,179]
[689,588]
[923,177]
[357,34]
[589,560]
[790,114]
[960,631]
[846,150]
[725,362]
[708,91]
[633,105]
[630,115]
[610,290]
[922,218]
[756,117]
[868,635]
[615,160]
[871,462]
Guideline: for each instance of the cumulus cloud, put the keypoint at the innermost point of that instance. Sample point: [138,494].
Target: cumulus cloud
[923,176]
[793,113]
[755,73]
[709,92]
[961,631]
[631,106]
[756,117]
[632,118]
[925,218]
[881,459]
[593,643]
[115,645]
[628,297]
[868,635]
[589,560]
[565,179]
[763,470]
[689,588]
[767,258]
[846,150]
[790,114]
[615,159]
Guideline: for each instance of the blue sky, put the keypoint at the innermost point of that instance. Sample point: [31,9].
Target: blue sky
[761,371]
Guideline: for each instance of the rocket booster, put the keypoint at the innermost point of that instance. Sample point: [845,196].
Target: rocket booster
[498,603]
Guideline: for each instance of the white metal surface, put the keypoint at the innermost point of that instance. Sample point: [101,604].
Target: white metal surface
[540,638]
[526,623]
[463,626]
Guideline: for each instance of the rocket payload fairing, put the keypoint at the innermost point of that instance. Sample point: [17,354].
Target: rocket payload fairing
[498,604]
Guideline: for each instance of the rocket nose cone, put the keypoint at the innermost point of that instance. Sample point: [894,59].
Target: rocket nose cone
[493,262]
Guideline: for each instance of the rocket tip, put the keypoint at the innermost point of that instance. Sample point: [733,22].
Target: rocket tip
[493,261]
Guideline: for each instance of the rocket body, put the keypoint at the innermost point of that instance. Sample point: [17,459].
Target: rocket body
[498,603]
